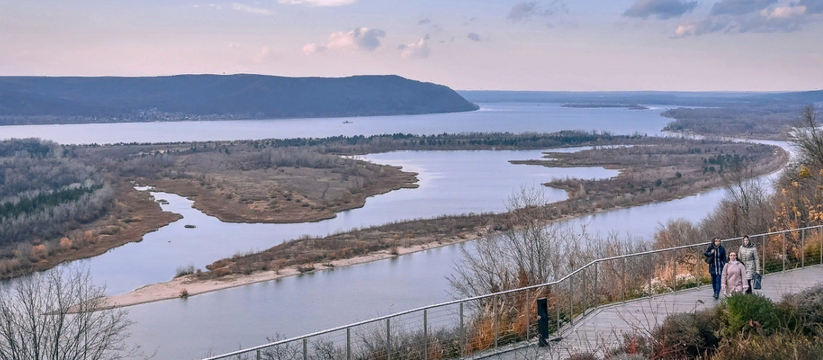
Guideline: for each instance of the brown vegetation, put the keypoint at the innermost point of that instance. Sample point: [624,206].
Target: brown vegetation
[797,201]
[661,172]
[306,251]
[134,214]
[770,122]
[744,327]
[298,180]
[678,156]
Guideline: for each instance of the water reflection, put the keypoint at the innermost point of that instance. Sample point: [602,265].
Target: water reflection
[451,182]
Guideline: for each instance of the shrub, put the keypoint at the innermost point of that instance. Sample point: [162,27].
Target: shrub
[803,311]
[185,270]
[744,313]
[778,346]
[583,356]
[184,294]
[39,251]
[305,268]
[633,347]
[687,335]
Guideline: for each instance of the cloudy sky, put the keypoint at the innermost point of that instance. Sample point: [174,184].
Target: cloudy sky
[576,45]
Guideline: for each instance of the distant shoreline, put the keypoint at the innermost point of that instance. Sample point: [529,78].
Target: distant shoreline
[79,100]
[6,120]
[606,106]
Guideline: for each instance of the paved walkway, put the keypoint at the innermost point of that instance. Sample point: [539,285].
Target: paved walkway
[603,328]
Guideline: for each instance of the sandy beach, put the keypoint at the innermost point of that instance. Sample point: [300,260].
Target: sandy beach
[194,286]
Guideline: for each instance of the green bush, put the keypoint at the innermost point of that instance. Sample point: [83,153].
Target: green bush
[749,312]
[687,335]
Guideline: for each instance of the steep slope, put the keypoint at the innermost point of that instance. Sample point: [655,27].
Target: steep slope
[234,96]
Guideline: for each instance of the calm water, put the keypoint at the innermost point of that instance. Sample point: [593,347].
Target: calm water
[450,183]
[512,117]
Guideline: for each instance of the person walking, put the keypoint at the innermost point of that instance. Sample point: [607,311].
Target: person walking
[716,257]
[748,256]
[734,274]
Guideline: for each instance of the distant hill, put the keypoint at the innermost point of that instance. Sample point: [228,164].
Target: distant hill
[805,96]
[186,97]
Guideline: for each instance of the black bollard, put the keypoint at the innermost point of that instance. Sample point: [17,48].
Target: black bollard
[542,322]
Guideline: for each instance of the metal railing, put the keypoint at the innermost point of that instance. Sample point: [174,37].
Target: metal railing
[477,326]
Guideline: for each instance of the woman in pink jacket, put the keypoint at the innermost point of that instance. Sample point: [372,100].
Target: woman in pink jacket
[734,276]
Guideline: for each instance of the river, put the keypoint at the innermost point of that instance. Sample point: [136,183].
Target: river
[450,183]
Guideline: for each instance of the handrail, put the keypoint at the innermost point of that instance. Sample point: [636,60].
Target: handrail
[479,297]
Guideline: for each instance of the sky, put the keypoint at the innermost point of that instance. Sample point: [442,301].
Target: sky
[553,45]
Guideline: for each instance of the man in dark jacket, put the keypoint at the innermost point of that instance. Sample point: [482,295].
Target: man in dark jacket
[716,256]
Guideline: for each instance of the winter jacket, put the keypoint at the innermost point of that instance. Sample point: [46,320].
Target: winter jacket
[717,259]
[748,255]
[733,278]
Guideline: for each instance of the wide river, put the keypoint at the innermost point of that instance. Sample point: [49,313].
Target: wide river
[450,183]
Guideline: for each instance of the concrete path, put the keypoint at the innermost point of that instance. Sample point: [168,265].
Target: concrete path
[603,328]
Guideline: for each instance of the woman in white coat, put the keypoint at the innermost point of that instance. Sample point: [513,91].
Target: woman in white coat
[748,256]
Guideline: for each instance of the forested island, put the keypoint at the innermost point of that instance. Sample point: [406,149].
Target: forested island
[64,100]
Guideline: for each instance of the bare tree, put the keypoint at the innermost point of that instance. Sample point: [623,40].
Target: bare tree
[746,203]
[532,249]
[808,138]
[60,315]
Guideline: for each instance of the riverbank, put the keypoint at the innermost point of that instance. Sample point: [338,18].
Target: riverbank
[135,214]
[381,242]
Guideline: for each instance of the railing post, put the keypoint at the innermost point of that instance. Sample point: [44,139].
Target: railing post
[821,245]
[784,252]
[803,248]
[699,259]
[674,273]
[305,349]
[594,291]
[651,275]
[388,339]
[585,292]
[425,334]
[258,354]
[496,320]
[571,301]
[348,343]
[528,320]
[763,258]
[623,280]
[556,308]
[462,333]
